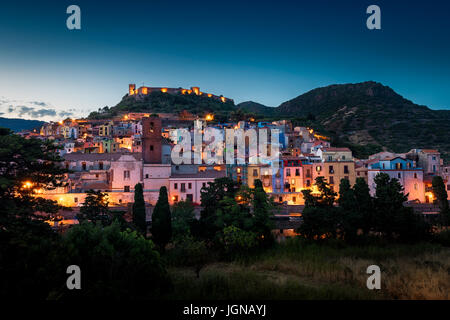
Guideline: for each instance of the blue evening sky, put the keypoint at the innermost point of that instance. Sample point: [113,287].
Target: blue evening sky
[265,51]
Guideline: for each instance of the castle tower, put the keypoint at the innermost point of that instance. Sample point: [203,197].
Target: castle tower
[152,140]
[131,89]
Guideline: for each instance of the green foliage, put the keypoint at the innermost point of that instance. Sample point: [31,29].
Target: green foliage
[183,217]
[95,208]
[188,251]
[237,241]
[161,220]
[225,204]
[114,264]
[32,161]
[441,197]
[391,218]
[139,216]
[30,266]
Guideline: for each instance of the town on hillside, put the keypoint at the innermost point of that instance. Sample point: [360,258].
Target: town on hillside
[113,155]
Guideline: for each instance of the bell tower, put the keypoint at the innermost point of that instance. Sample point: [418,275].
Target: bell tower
[152,139]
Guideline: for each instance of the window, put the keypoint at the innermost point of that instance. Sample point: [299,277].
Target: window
[330,158]
[189,197]
[346,177]
[203,184]
[100,165]
[415,186]
[434,168]
[297,172]
[448,187]
[280,199]
[357,173]
[175,198]
[415,175]
[308,173]
[255,172]
[434,158]
[398,166]
[120,200]
[331,180]
[330,169]
[238,170]
[126,174]
[318,168]
[183,187]
[75,199]
[151,148]
[126,189]
[308,183]
[83,165]
[288,172]
[175,186]
[189,185]
[399,175]
[293,181]
[177,168]
[343,157]
[96,175]
[345,169]
[146,176]
[294,199]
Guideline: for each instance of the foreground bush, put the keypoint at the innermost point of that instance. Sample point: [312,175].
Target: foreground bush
[114,263]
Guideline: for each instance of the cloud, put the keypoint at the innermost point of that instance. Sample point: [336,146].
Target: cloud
[65,113]
[34,109]
[39,103]
[31,111]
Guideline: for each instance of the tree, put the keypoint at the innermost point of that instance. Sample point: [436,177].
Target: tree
[95,208]
[262,211]
[114,264]
[364,204]
[391,218]
[211,200]
[238,241]
[191,252]
[320,217]
[139,216]
[27,166]
[183,217]
[441,197]
[161,220]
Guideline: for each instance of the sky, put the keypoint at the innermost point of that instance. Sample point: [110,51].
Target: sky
[264,51]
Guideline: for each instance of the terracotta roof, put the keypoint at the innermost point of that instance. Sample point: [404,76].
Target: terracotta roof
[429,151]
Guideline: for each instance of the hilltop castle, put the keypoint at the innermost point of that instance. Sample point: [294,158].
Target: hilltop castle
[132,91]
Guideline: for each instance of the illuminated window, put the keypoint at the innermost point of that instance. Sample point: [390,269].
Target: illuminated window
[238,170]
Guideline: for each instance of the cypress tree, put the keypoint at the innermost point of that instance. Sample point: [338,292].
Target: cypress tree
[441,196]
[162,220]
[139,210]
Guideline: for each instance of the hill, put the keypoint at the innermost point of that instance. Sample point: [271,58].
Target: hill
[17,125]
[159,102]
[367,117]
[372,115]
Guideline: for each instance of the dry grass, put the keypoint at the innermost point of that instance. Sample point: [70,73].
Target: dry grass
[298,270]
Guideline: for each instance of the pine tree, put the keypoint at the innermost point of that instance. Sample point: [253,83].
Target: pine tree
[139,209]
[161,220]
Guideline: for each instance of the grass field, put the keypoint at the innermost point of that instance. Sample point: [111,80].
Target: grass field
[300,270]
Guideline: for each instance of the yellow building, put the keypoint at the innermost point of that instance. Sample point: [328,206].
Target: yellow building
[334,171]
